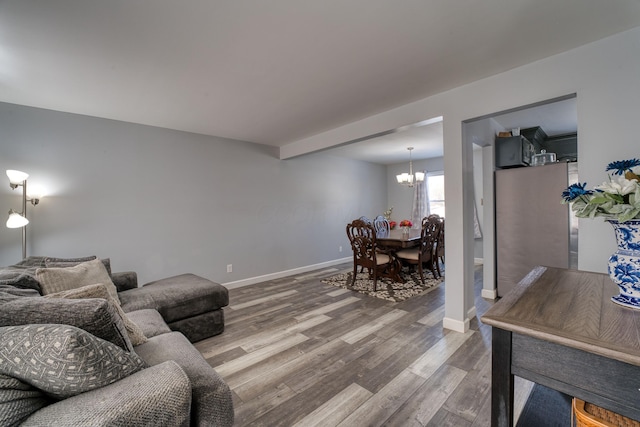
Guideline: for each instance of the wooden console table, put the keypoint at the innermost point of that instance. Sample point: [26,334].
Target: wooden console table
[559,328]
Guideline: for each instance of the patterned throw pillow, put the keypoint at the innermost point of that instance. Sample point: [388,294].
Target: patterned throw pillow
[62,360]
[96,316]
[99,290]
[56,279]
[18,401]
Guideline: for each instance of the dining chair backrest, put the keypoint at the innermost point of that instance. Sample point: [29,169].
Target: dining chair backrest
[431,217]
[428,237]
[362,236]
[381,225]
[365,219]
[424,220]
[440,241]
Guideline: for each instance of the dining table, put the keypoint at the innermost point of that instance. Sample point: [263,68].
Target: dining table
[394,240]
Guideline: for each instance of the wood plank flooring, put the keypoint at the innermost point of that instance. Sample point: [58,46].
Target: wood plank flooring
[298,352]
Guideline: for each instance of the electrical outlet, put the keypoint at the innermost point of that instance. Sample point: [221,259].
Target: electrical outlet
[229,268]
[340,249]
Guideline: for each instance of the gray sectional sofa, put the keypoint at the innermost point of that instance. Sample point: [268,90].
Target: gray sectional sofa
[80,356]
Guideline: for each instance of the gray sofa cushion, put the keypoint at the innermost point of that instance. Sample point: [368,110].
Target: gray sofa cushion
[63,360]
[212,402]
[155,396]
[125,280]
[177,297]
[202,326]
[95,316]
[149,321]
[18,400]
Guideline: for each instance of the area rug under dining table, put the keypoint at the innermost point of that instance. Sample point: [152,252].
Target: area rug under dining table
[386,288]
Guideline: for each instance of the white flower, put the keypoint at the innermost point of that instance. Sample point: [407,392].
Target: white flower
[619,185]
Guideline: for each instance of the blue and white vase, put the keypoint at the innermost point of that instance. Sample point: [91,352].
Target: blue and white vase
[624,264]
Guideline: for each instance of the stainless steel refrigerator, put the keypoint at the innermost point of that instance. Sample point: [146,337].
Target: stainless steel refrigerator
[533,227]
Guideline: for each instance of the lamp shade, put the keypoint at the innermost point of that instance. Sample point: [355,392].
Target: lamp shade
[403,178]
[17,177]
[16,220]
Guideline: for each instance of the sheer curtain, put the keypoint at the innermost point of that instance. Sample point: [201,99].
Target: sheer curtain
[420,202]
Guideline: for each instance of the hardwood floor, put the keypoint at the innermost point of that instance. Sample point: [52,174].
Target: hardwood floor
[298,352]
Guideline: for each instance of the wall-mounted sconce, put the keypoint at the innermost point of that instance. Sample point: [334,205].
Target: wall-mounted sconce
[19,219]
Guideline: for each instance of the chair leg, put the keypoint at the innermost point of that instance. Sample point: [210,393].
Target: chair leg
[421,272]
[437,262]
[433,267]
[355,271]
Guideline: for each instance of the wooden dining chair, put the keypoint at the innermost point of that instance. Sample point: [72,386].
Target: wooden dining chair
[439,251]
[425,252]
[381,225]
[365,219]
[365,252]
[439,243]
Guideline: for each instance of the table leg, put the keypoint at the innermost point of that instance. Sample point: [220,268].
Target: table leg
[395,268]
[501,379]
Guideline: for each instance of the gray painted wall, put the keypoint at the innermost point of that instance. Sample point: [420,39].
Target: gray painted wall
[163,202]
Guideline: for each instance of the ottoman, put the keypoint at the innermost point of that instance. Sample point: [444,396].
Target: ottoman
[188,303]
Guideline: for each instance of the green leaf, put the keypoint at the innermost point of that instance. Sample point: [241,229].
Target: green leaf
[630,214]
[598,200]
[619,209]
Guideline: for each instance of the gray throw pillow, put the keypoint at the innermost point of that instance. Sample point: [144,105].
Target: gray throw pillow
[50,262]
[18,400]
[22,274]
[56,279]
[96,316]
[100,291]
[77,260]
[63,360]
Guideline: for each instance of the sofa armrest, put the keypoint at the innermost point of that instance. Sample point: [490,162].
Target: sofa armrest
[125,280]
[159,396]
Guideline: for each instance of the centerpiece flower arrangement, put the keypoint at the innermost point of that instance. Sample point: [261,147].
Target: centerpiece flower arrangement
[618,202]
[406,223]
[387,213]
[615,199]
[392,224]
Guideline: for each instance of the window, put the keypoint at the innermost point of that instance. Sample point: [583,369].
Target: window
[435,193]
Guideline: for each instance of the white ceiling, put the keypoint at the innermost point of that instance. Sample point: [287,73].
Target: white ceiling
[425,138]
[555,118]
[273,72]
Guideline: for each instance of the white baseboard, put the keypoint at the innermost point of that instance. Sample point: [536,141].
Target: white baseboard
[455,325]
[472,312]
[281,274]
[489,293]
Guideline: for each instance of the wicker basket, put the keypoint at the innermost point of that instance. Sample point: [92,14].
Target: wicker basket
[588,415]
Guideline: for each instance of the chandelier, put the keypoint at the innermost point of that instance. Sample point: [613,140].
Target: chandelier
[409,179]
